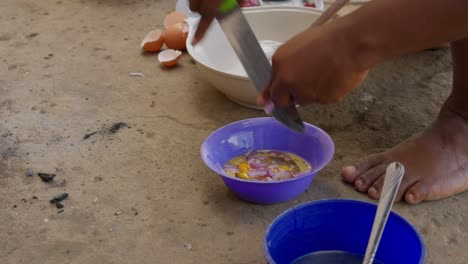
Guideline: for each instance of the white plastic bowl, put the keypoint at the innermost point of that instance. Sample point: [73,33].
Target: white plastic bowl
[218,62]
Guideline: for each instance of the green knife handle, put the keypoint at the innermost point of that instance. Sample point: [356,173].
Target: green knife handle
[227,6]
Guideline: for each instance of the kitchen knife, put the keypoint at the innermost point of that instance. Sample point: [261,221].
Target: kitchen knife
[250,53]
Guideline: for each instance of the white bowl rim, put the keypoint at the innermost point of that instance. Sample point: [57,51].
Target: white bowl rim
[256,9]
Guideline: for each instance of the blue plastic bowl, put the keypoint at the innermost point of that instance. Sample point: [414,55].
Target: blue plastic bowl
[342,225]
[314,145]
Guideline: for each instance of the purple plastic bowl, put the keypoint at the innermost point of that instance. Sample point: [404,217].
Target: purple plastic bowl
[314,145]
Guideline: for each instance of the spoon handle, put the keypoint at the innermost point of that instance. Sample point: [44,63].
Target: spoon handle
[393,176]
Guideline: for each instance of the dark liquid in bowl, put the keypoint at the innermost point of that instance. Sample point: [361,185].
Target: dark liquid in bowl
[331,257]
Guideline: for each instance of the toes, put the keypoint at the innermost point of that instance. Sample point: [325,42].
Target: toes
[417,193]
[364,181]
[406,183]
[376,188]
[351,173]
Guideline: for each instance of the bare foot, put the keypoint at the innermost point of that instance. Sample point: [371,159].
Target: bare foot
[436,163]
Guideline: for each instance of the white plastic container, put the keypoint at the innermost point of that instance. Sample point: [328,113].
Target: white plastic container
[218,62]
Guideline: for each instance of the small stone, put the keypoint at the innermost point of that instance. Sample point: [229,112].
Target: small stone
[367,98]
[188,246]
[95,200]
[32,35]
[119,212]
[68,251]
[34,197]
[29,172]
[135,212]
[59,205]
[46,220]
[110,230]
[14,206]
[60,211]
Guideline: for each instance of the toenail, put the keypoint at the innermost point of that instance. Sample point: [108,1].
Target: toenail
[359,183]
[350,169]
[410,197]
[373,190]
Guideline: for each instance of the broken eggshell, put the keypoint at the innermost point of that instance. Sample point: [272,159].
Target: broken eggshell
[176,36]
[174,18]
[153,41]
[169,57]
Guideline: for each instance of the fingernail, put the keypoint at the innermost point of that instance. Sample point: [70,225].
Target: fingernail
[269,107]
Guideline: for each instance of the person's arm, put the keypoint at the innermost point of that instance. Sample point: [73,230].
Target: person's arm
[323,64]
[384,29]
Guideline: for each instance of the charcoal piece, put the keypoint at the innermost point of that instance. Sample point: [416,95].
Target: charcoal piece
[47,177]
[89,135]
[58,198]
[116,127]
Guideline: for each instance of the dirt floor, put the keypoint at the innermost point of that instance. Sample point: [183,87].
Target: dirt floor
[141,193]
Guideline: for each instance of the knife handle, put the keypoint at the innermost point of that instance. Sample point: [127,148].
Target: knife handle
[227,6]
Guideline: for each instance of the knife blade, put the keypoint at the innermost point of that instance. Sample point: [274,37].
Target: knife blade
[250,53]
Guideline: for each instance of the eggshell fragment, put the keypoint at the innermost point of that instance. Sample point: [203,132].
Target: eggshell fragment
[176,36]
[169,57]
[174,18]
[153,41]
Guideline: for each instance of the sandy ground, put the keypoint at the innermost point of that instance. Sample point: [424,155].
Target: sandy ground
[64,73]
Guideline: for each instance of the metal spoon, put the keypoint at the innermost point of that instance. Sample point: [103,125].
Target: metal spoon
[393,176]
[392,181]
